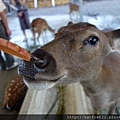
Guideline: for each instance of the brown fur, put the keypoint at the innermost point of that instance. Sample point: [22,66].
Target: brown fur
[72,57]
[14,94]
[39,25]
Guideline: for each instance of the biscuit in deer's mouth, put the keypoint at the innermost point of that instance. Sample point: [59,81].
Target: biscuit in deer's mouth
[14,49]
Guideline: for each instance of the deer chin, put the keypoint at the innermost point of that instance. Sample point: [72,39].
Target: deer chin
[39,84]
[42,84]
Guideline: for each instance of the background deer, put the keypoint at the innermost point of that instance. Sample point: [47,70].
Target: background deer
[72,8]
[79,53]
[40,25]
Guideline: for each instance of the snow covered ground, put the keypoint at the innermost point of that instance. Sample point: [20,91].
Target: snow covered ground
[54,21]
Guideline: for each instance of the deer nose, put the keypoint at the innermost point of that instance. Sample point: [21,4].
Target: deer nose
[41,61]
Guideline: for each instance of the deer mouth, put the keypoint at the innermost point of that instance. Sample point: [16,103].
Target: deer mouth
[41,84]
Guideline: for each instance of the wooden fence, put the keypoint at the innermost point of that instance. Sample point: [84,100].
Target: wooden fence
[43,3]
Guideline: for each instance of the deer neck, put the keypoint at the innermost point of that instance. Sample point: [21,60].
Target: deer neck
[105,77]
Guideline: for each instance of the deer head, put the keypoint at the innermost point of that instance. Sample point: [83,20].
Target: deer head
[79,53]
[76,54]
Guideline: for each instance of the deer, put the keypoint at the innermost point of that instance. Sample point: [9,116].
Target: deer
[14,94]
[40,25]
[79,53]
[73,7]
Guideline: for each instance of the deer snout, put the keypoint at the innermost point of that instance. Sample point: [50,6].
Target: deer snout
[39,72]
[41,63]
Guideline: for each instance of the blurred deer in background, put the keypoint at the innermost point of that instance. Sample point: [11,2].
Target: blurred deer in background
[79,53]
[73,8]
[40,25]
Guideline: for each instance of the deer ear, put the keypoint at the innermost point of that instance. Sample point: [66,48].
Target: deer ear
[70,23]
[114,38]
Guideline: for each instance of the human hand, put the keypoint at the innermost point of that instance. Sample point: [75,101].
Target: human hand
[20,14]
[8,32]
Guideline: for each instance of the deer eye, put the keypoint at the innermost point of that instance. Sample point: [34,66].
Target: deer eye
[92,40]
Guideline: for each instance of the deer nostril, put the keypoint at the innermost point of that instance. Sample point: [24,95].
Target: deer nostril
[41,63]
[42,60]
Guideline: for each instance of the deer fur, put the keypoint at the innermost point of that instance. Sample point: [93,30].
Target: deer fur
[79,53]
[40,25]
[14,94]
